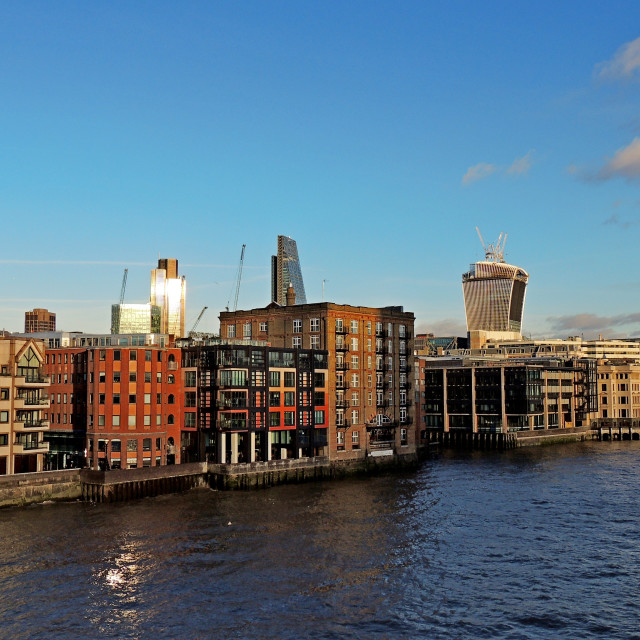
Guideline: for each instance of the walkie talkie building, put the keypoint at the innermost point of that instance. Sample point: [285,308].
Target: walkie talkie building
[494,294]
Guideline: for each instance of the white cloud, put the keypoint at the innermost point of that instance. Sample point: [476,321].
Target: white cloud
[520,166]
[624,64]
[624,164]
[480,171]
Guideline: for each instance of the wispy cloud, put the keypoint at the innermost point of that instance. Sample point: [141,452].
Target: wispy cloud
[624,164]
[592,323]
[520,166]
[479,171]
[446,327]
[615,221]
[624,65]
[482,170]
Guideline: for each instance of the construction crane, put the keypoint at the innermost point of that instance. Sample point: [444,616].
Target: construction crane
[124,286]
[197,322]
[494,252]
[238,279]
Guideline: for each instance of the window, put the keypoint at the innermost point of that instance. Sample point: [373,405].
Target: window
[355,398]
[297,342]
[354,326]
[116,354]
[132,421]
[102,376]
[340,438]
[318,379]
[190,379]
[274,398]
[100,421]
[116,377]
[402,331]
[147,398]
[101,397]
[355,362]
[315,342]
[147,421]
[289,398]
[297,326]
[132,398]
[314,324]
[403,437]
[4,394]
[354,344]
[246,330]
[289,379]
[147,376]
[319,416]
[339,324]
[319,398]
[147,355]
[368,327]
[132,445]
[171,378]
[133,355]
[263,327]
[355,416]
[132,376]
[289,418]
[4,416]
[116,398]
[115,421]
[171,399]
[274,419]
[231,331]
[103,354]
[274,378]
[355,380]
[355,439]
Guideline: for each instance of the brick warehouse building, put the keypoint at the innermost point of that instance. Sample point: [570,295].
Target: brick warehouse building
[124,402]
[370,403]
[254,403]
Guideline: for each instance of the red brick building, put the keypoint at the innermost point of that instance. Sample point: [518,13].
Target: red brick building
[124,402]
[370,368]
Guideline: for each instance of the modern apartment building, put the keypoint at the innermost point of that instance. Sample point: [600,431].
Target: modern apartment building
[494,295]
[24,400]
[507,395]
[285,271]
[252,403]
[39,320]
[370,368]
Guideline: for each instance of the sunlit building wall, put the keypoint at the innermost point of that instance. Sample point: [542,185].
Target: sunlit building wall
[168,292]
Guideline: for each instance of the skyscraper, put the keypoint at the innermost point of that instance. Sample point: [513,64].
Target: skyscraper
[285,269]
[168,292]
[494,295]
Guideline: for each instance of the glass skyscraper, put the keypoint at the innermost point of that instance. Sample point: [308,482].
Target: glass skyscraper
[168,292]
[494,294]
[285,269]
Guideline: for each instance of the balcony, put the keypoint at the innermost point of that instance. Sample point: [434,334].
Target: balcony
[344,425]
[341,366]
[172,366]
[342,330]
[342,346]
[234,425]
[30,400]
[32,379]
[31,423]
[342,403]
[20,446]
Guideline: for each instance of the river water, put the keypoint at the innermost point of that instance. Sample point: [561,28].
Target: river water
[532,543]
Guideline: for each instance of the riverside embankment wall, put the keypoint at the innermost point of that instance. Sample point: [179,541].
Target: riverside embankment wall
[27,488]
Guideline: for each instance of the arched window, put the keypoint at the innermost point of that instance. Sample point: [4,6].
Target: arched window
[171,399]
[170,420]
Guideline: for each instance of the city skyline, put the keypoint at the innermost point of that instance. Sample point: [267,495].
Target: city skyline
[375,136]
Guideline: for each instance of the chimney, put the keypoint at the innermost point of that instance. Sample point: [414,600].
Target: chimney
[291,295]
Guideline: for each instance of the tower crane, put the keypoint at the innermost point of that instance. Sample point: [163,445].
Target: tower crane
[238,279]
[124,286]
[197,322]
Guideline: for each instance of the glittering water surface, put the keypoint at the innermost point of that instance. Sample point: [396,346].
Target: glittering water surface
[533,543]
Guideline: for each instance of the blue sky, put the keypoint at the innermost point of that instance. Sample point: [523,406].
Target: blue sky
[376,134]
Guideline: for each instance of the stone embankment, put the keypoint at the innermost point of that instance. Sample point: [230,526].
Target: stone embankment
[27,488]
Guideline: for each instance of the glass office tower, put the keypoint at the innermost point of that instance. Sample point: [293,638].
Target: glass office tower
[168,292]
[285,269]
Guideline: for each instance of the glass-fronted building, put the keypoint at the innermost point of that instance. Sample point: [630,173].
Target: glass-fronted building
[285,269]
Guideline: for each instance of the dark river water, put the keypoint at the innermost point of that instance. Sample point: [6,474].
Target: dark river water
[533,543]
